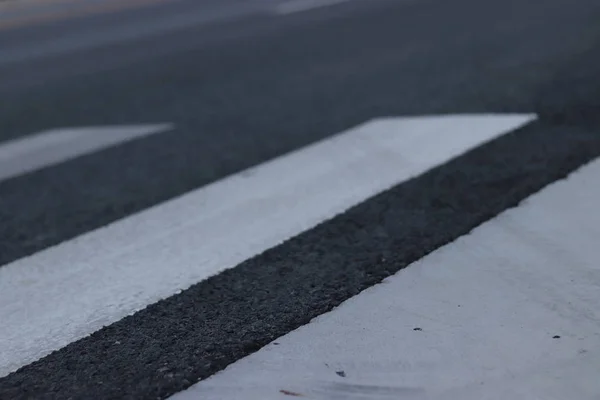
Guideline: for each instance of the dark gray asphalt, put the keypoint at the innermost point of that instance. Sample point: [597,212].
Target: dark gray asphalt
[243,90]
[119,25]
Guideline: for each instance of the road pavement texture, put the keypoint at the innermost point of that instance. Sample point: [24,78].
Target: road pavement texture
[419,175]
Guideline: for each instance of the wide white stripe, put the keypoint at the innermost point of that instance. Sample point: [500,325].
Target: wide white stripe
[41,150]
[488,307]
[69,291]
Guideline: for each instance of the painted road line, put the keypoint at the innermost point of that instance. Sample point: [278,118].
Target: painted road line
[71,290]
[48,148]
[508,311]
[294,6]
[180,340]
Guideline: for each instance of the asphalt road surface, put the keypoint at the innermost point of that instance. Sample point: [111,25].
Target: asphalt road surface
[216,95]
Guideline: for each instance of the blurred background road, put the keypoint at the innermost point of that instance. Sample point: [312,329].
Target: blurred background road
[243,81]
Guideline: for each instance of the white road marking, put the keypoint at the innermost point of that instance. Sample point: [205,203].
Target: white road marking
[294,6]
[509,311]
[47,148]
[71,290]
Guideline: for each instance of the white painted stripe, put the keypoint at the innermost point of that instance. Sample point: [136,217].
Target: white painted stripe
[294,6]
[41,150]
[69,291]
[488,306]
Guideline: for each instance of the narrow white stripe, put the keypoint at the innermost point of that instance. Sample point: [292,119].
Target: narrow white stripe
[52,147]
[488,306]
[294,6]
[69,291]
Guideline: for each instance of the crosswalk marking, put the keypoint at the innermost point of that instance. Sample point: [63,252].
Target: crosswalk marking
[69,291]
[508,311]
[174,342]
[51,147]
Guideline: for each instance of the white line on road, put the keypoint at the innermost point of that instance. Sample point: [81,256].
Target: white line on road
[509,311]
[41,150]
[294,6]
[71,290]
